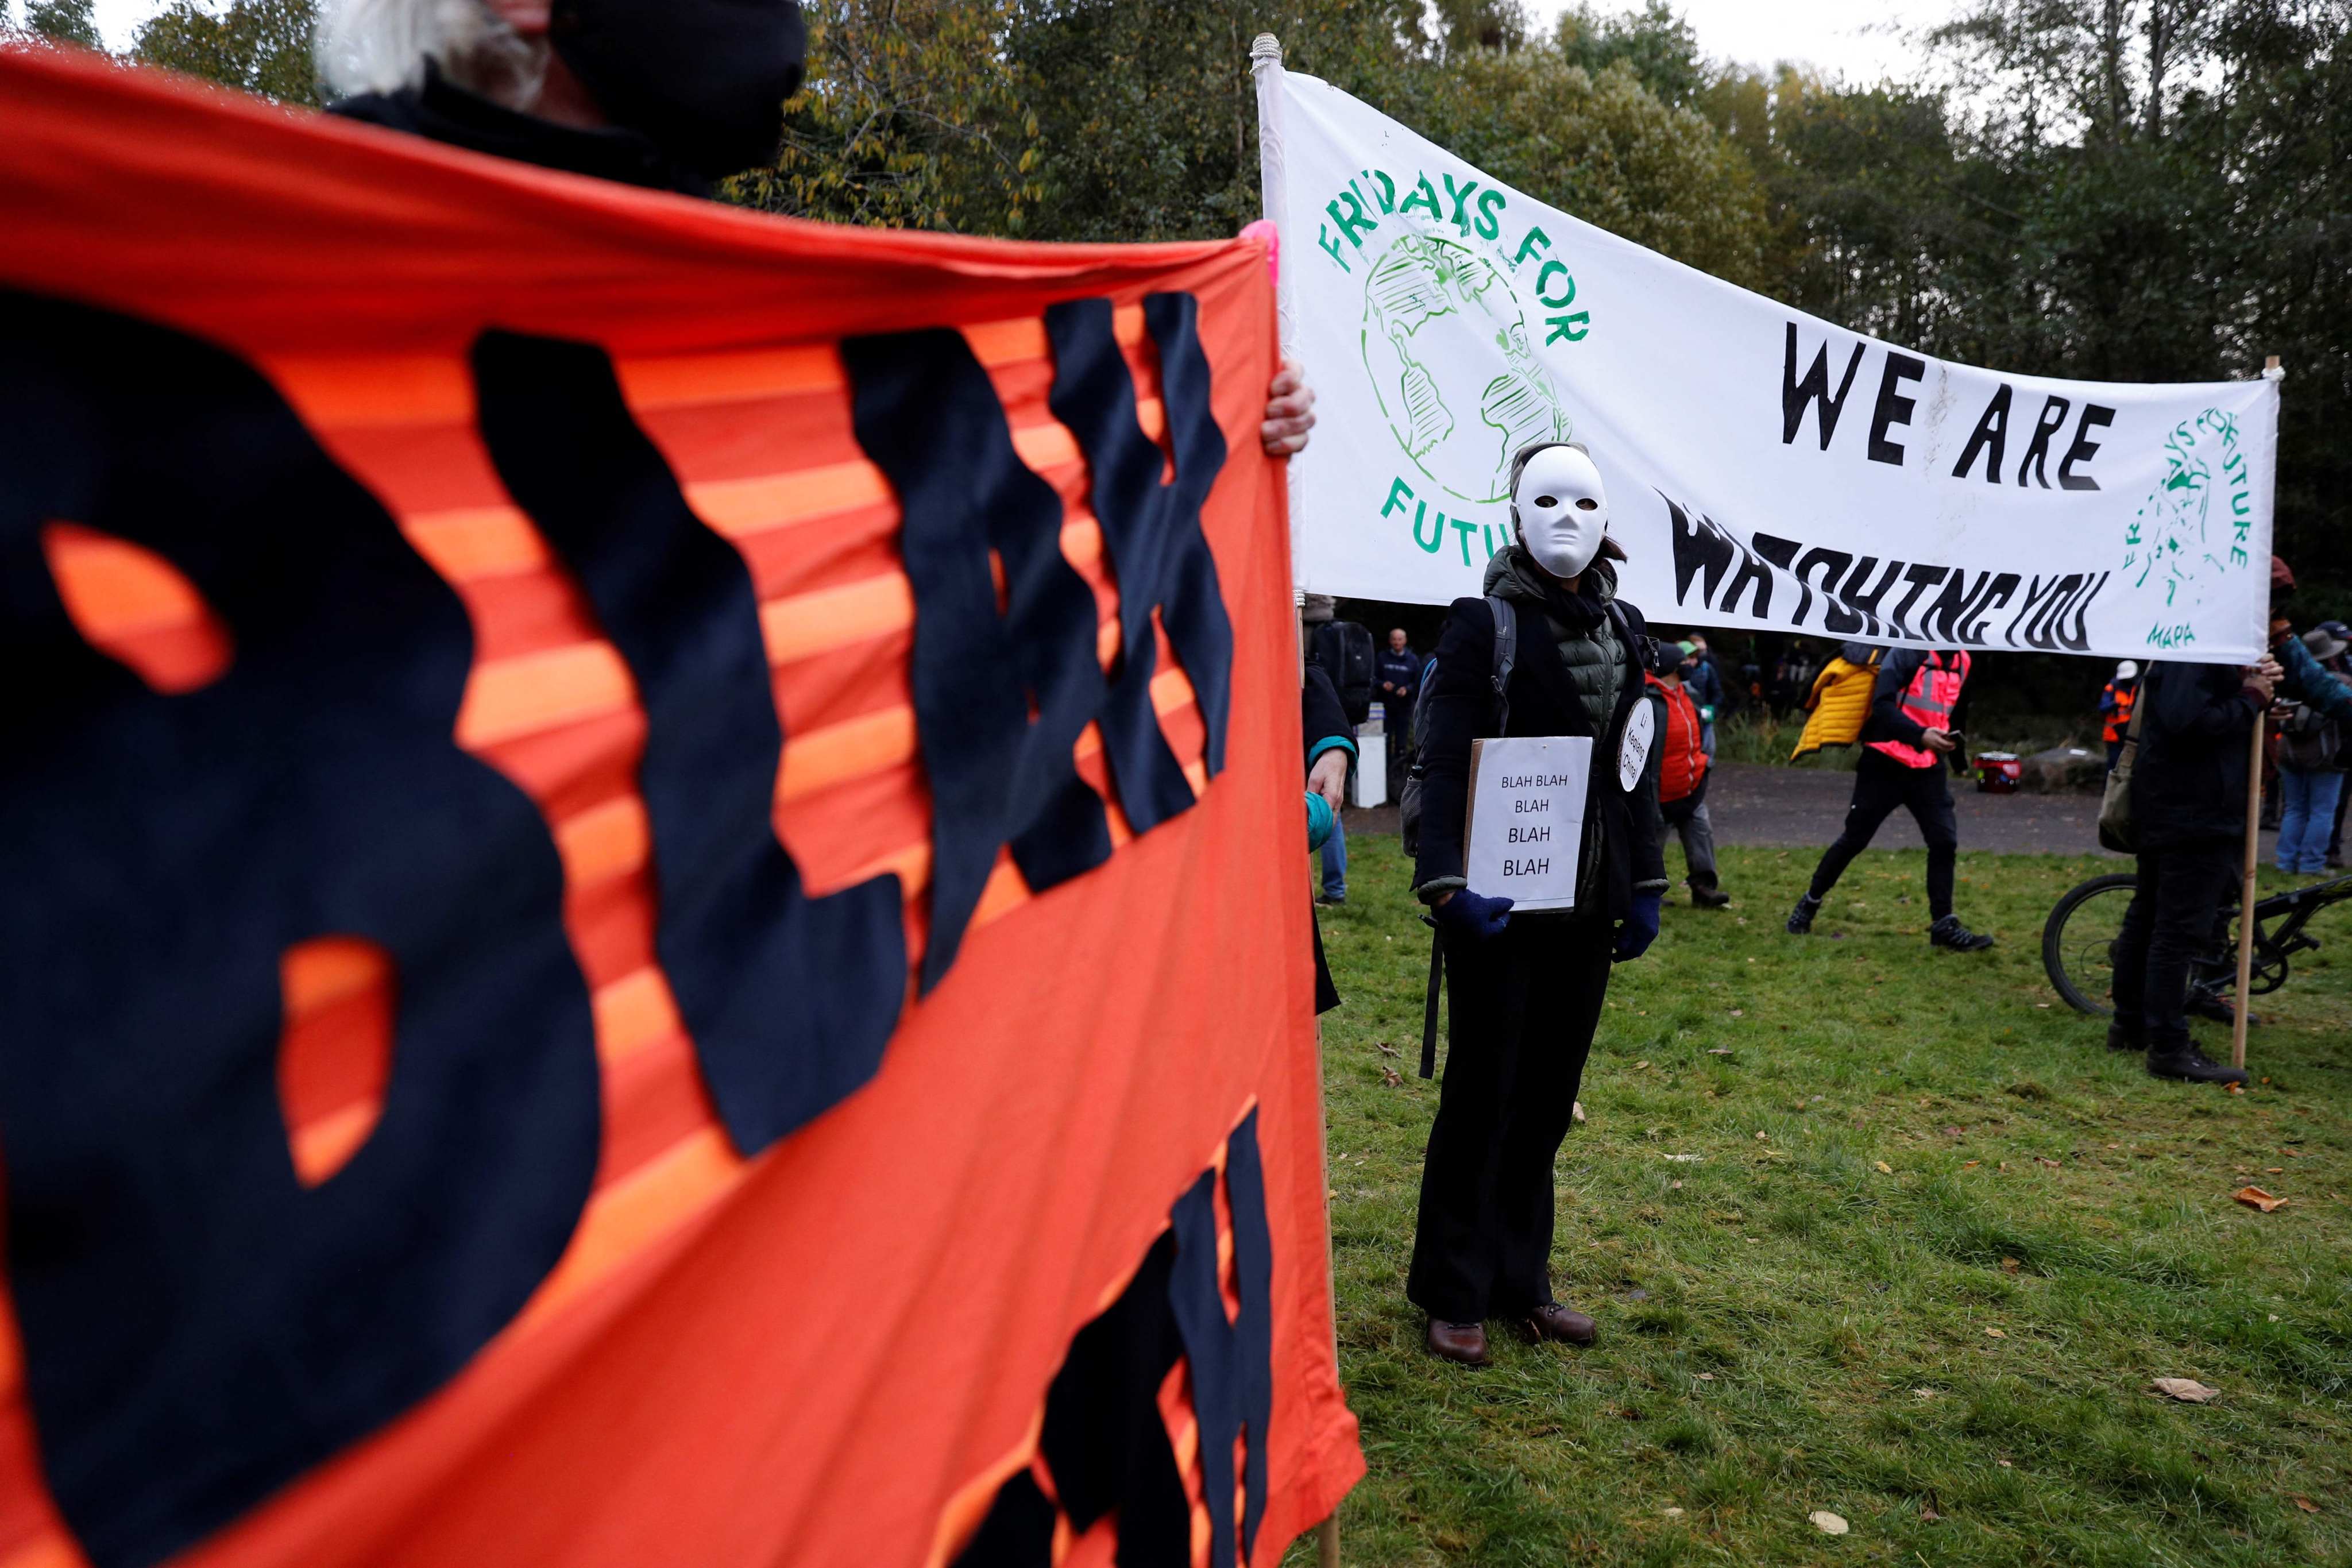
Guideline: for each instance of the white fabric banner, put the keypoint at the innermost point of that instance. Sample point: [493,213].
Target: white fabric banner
[1764,468]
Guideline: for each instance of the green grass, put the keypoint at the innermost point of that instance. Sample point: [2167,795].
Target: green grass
[1787,1327]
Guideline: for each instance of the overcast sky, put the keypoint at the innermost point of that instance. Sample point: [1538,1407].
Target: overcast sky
[1858,39]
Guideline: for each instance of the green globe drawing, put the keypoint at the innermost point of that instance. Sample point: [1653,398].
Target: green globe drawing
[1445,344]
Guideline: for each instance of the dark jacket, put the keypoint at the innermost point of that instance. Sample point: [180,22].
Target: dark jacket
[1401,670]
[2308,681]
[441,110]
[2188,785]
[1621,830]
[1321,716]
[1705,686]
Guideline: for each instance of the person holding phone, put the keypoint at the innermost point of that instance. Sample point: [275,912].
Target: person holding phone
[1905,742]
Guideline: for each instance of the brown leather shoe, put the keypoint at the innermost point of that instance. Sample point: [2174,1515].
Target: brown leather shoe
[1553,1321]
[1462,1342]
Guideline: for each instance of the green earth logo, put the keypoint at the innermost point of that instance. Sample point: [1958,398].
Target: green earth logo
[2193,532]
[1436,314]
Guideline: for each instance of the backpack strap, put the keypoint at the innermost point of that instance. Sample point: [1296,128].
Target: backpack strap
[1506,654]
[1429,999]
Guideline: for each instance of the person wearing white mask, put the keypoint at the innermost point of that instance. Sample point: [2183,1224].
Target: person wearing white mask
[1526,990]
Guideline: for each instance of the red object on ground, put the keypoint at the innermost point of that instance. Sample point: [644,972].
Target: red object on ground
[1998,773]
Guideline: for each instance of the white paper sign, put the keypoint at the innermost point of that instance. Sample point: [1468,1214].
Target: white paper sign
[1525,832]
[1765,467]
[1633,750]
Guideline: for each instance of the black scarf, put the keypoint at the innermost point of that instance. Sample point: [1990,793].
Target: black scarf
[443,112]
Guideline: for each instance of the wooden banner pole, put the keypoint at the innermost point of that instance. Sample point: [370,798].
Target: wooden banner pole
[2242,1011]
[2246,899]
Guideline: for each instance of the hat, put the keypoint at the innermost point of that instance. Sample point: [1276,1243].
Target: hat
[2127,670]
[1688,648]
[2337,629]
[1666,659]
[2323,646]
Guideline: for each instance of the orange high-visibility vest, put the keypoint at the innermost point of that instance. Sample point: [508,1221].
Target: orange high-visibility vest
[1928,702]
[2125,697]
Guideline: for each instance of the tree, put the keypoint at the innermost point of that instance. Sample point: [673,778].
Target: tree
[1655,44]
[63,21]
[259,46]
[913,117]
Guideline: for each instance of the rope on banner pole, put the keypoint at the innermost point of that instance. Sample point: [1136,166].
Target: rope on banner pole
[2241,1012]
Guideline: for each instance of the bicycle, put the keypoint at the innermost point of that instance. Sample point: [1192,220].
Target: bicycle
[2078,942]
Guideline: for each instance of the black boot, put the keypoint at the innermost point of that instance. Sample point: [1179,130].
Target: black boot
[1800,918]
[2184,1061]
[1707,896]
[2123,1036]
[1950,932]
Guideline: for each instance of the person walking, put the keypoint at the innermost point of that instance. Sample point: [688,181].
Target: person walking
[1683,771]
[2311,769]
[1527,989]
[1905,741]
[2115,708]
[2189,807]
[1704,681]
[1398,674]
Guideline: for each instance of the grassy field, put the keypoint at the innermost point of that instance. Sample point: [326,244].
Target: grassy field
[1935,1244]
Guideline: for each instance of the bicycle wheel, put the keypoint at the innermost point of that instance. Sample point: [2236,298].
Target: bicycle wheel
[2079,938]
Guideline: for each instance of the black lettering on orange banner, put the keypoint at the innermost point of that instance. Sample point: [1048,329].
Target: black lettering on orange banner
[929,419]
[790,999]
[1152,531]
[199,1326]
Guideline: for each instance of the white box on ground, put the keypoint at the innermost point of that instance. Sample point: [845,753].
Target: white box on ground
[1526,828]
[1372,785]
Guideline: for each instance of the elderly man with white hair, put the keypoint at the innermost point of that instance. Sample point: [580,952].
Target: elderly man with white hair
[667,94]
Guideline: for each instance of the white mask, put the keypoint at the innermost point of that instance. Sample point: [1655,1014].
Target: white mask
[1562,511]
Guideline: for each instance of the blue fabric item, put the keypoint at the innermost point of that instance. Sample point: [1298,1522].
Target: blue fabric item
[1327,743]
[1320,819]
[1335,860]
[1474,914]
[1641,927]
[2308,818]
[2308,681]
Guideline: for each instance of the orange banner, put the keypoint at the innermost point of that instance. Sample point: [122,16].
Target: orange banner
[648,908]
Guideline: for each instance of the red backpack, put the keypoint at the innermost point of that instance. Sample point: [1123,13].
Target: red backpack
[1680,765]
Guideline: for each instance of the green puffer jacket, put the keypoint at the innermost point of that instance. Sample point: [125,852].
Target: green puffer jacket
[1595,660]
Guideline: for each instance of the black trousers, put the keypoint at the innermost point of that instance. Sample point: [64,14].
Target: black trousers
[2169,926]
[1880,784]
[1523,1006]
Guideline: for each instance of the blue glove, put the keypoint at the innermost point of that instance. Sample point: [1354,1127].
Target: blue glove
[1641,927]
[1475,916]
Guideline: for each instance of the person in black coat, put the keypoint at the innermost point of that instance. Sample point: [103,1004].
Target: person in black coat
[1330,751]
[1526,991]
[2188,809]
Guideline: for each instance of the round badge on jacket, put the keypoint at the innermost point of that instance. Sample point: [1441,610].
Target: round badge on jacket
[1633,750]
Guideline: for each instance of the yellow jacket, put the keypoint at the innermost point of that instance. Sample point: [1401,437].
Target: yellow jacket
[1838,705]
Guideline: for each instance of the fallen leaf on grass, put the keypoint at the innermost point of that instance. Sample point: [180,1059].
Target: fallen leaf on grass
[2187,1390]
[2306,1504]
[1762,1137]
[2273,1170]
[2053,1164]
[2291,1153]
[1389,1077]
[1389,1050]
[1924,1392]
[1927,1512]
[2236,1088]
[2004,1464]
[1971,1164]
[1996,1333]
[1742,1013]
[1678,1514]
[1576,1108]
[1718,1050]
[2255,1198]
[1704,1376]
[1689,1159]
[2010,1266]
[1640,1064]
[1828,1523]
[1677,1186]
[1884,1168]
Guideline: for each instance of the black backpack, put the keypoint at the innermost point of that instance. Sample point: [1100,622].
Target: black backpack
[1344,649]
[1506,648]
